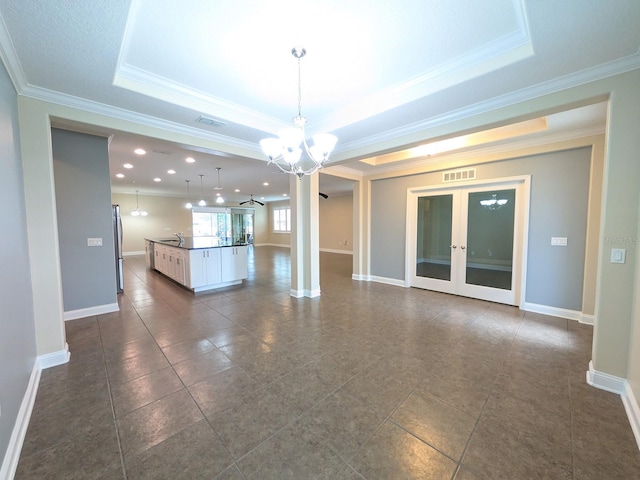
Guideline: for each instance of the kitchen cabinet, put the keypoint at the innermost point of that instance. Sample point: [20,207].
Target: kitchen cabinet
[204,267]
[234,263]
[148,252]
[170,262]
[198,268]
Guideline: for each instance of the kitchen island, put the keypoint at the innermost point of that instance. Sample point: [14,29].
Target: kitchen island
[198,263]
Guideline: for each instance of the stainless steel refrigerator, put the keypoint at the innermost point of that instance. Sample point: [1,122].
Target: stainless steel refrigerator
[117,236]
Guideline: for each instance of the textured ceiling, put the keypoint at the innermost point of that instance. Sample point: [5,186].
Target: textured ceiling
[376,71]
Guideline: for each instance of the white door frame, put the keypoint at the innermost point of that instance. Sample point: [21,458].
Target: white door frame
[521,224]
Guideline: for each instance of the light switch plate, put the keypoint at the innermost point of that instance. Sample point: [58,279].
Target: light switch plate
[618,255]
[94,242]
[559,241]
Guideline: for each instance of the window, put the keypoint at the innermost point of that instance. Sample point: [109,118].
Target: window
[282,220]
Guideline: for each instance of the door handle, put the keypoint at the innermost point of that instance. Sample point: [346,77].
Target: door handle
[453,246]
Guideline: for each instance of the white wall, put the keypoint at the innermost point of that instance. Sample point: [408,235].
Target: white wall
[17,330]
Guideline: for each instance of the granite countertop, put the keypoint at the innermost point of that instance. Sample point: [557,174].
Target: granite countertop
[195,243]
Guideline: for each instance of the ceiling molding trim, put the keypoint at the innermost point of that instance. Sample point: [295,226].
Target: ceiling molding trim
[503,51]
[90,106]
[10,58]
[494,149]
[599,72]
[343,172]
[143,82]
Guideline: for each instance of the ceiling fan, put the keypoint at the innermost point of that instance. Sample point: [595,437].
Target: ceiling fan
[251,201]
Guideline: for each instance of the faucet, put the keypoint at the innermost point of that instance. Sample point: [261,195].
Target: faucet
[180,237]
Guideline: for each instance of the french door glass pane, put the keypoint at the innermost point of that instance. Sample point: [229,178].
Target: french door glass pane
[433,253]
[489,247]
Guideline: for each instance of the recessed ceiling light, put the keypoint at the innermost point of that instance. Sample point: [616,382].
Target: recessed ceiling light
[190,160]
[157,179]
[261,198]
[237,190]
[171,171]
[218,194]
[266,184]
[120,175]
[140,151]
[285,195]
[127,165]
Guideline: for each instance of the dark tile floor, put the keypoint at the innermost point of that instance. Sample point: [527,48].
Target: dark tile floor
[368,381]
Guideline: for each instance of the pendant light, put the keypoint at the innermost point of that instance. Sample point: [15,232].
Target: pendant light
[137,212]
[188,205]
[201,203]
[285,152]
[220,199]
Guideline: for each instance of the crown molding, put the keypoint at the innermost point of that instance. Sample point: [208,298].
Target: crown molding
[549,139]
[91,106]
[145,83]
[10,58]
[593,74]
[500,53]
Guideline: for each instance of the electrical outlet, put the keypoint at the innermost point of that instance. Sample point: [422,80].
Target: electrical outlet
[94,242]
[559,241]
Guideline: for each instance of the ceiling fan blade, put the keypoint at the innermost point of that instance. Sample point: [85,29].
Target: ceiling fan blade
[259,203]
[323,195]
[242,203]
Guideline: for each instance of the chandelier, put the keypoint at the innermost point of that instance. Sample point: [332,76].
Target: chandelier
[494,203]
[285,152]
[137,212]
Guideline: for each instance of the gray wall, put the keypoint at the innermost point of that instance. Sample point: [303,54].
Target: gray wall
[559,193]
[17,329]
[83,202]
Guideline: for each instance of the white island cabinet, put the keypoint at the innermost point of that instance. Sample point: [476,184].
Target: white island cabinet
[204,268]
[170,261]
[200,268]
[234,263]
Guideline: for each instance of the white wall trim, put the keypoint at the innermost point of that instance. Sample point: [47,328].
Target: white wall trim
[333,250]
[304,293]
[360,278]
[130,254]
[91,311]
[604,381]
[12,455]
[587,319]
[553,311]
[55,358]
[633,410]
[296,293]
[621,386]
[388,281]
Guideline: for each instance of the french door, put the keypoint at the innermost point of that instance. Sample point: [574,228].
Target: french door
[468,240]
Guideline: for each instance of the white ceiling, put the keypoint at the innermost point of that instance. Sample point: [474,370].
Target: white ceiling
[376,73]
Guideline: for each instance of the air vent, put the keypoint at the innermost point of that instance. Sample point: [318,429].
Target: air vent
[459,175]
[210,121]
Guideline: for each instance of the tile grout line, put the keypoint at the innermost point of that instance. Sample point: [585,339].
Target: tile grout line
[113,411]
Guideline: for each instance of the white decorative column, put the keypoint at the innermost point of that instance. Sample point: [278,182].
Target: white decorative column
[305,237]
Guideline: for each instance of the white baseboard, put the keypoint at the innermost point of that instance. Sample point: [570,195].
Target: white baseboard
[632,408]
[53,359]
[621,386]
[588,319]
[304,293]
[91,311]
[12,454]
[360,278]
[130,254]
[333,250]
[553,311]
[387,281]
